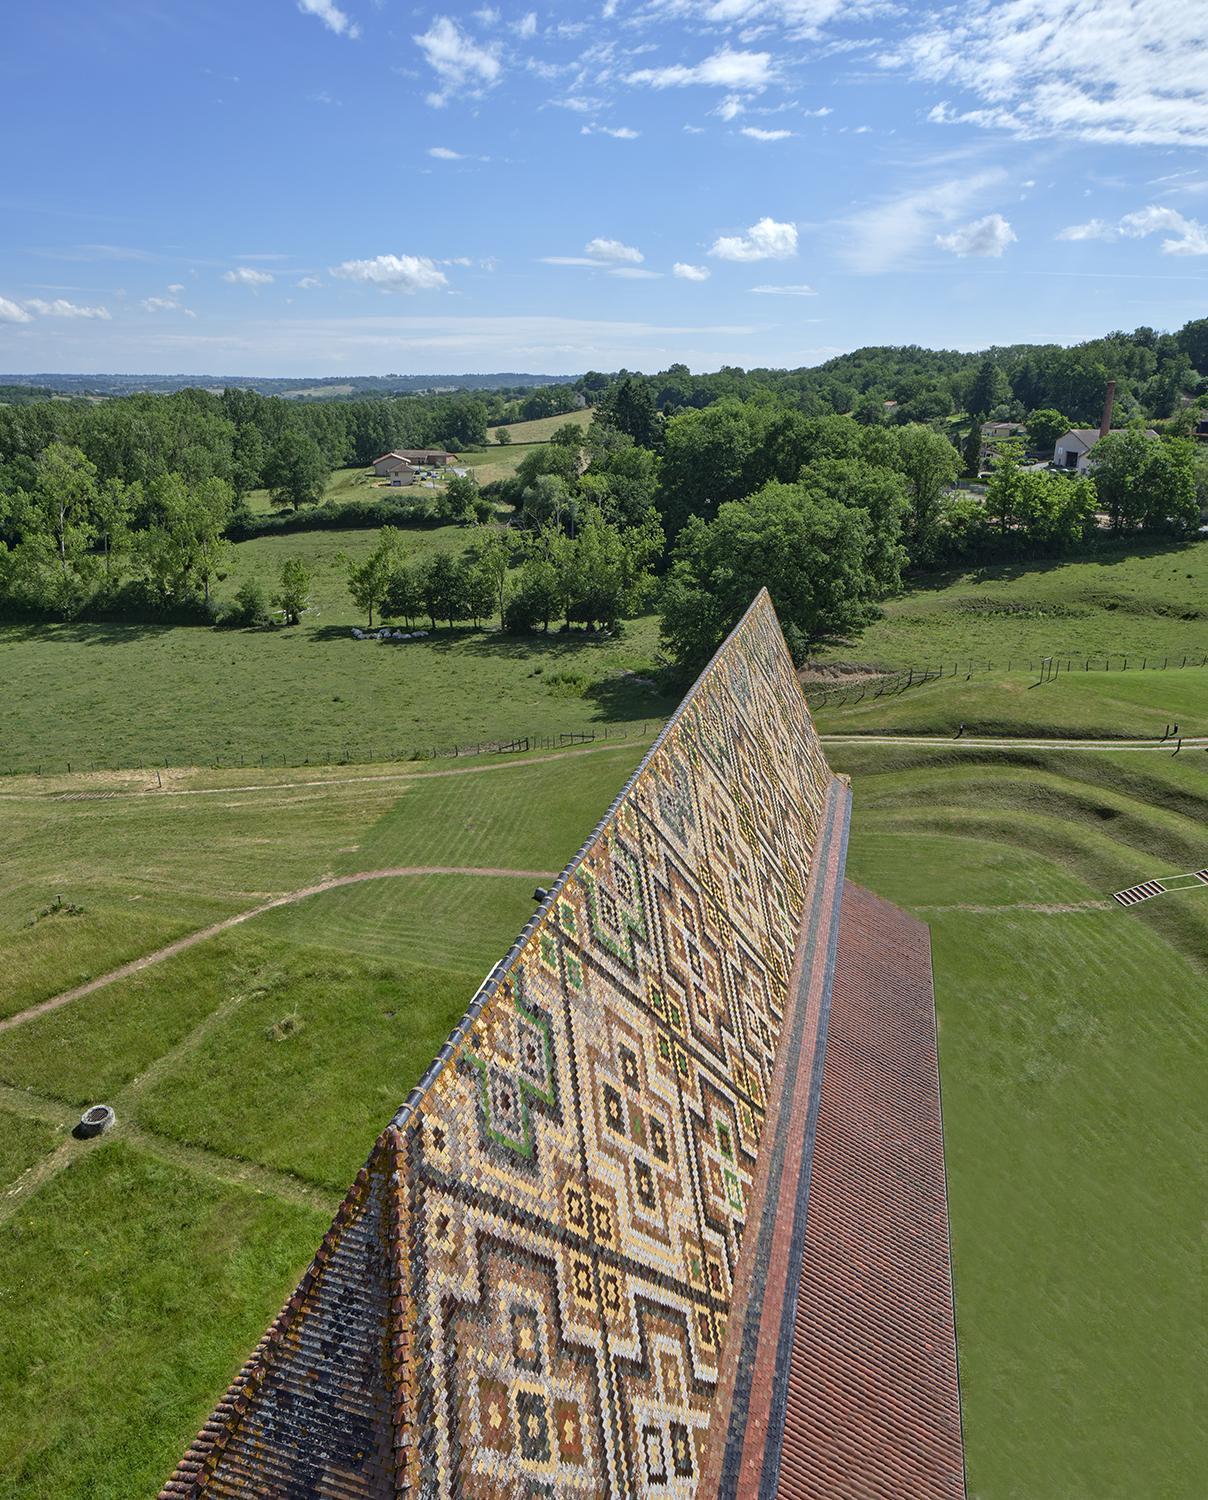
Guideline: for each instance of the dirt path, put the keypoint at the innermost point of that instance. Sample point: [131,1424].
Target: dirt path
[1048,908]
[192,938]
[285,786]
[1167,747]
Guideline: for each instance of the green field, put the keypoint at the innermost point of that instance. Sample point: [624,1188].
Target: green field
[1075,705]
[1144,602]
[250,1072]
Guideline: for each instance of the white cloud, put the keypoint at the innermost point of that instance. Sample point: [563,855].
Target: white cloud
[176,288]
[724,69]
[818,114]
[445,153]
[61,308]
[687,272]
[612,250]
[307,282]
[799,290]
[579,104]
[332,17]
[1184,236]
[730,107]
[767,240]
[754,133]
[394,273]
[246,276]
[460,61]
[13,312]
[989,236]
[527,25]
[165,304]
[1112,71]
[618,133]
[882,236]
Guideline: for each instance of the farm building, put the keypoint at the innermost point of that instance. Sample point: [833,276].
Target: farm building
[428,458]
[667,1215]
[396,467]
[1073,450]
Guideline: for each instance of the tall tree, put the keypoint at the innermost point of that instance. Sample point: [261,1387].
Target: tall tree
[930,464]
[296,471]
[371,579]
[988,388]
[809,550]
[293,594]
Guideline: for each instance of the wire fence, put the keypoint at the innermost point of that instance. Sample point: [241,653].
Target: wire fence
[376,753]
[1047,669]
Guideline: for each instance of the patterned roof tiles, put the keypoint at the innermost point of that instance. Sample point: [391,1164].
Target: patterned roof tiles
[555,1271]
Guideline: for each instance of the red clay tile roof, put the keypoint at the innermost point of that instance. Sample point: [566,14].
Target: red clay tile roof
[873,1405]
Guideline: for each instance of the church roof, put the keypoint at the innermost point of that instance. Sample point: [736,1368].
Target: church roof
[574,1257]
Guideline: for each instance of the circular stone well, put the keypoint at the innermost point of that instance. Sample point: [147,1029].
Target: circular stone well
[95,1119]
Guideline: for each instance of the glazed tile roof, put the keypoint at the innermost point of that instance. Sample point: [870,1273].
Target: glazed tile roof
[575,1249]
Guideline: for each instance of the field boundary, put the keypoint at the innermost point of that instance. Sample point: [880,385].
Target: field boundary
[1047,669]
[190,940]
[349,754]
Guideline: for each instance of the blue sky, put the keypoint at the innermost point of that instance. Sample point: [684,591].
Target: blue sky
[363,186]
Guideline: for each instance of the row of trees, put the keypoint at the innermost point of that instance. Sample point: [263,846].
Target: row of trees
[596,578]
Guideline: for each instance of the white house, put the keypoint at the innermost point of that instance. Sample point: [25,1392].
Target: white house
[1075,449]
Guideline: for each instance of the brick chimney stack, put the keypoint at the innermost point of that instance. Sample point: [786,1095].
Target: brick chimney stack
[1105,426]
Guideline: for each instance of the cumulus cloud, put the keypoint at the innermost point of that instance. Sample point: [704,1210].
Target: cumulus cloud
[61,308]
[754,133]
[730,107]
[394,273]
[1184,236]
[307,282]
[989,236]
[798,290]
[445,153]
[687,272]
[332,17]
[247,276]
[612,250]
[1120,71]
[618,132]
[727,69]
[461,62]
[767,240]
[13,312]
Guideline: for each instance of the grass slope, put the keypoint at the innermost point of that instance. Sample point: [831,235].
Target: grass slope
[1143,602]
[1074,705]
